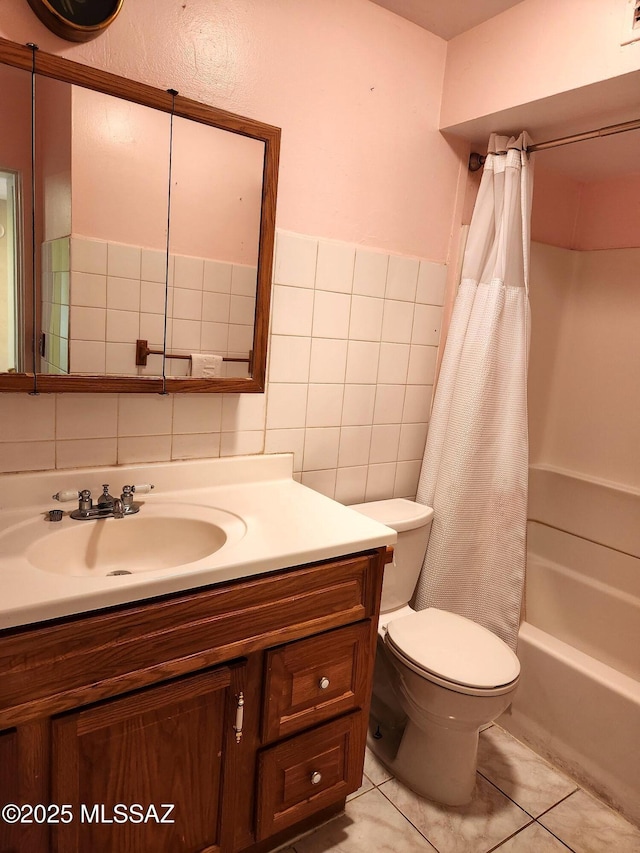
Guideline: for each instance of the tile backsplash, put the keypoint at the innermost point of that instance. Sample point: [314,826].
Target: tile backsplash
[352,356]
[99,298]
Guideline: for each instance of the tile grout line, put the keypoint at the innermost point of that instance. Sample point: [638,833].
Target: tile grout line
[513,835]
[557,837]
[532,820]
[546,811]
[410,822]
[510,798]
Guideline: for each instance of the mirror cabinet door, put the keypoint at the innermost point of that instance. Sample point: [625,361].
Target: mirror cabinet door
[103,170]
[17,344]
[216,198]
[154,222]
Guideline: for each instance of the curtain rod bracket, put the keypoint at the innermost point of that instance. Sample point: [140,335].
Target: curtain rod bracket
[476,161]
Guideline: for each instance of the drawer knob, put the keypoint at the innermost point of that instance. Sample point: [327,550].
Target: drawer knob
[323,683]
[316,778]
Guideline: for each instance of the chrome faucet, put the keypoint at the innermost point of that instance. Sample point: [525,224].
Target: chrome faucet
[106,506]
[118,508]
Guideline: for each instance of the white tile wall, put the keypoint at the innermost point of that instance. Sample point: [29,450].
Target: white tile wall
[354,404]
[358,406]
[153,265]
[295,260]
[217,277]
[370,273]
[118,294]
[354,335]
[328,361]
[334,270]
[55,306]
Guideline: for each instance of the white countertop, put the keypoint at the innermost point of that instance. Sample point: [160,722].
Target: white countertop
[287,524]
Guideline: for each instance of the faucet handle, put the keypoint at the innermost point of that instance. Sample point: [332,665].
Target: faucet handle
[105,498]
[127,493]
[142,488]
[66,495]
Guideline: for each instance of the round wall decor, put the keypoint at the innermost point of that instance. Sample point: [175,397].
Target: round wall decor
[76,20]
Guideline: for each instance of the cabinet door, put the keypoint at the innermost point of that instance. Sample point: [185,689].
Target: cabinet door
[24,781]
[123,763]
[9,787]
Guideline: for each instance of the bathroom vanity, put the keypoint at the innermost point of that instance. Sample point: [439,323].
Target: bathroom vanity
[235,707]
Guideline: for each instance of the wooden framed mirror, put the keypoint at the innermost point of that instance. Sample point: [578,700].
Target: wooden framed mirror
[145,251]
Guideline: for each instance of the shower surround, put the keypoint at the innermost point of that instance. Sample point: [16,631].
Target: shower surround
[578,703]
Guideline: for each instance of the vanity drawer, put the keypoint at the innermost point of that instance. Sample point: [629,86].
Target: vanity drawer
[314,679]
[309,772]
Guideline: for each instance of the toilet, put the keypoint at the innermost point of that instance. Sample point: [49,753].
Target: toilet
[439,677]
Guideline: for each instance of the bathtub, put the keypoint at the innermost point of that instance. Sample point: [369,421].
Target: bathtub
[578,702]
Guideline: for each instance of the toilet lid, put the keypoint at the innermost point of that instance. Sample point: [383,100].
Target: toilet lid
[454,648]
[397,513]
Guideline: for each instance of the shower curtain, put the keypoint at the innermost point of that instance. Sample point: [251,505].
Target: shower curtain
[475,468]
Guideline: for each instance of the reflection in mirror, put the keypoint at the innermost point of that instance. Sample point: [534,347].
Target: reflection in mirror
[216,197]
[9,272]
[103,166]
[98,205]
[16,306]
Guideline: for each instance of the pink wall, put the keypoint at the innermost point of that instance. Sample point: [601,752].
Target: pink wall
[554,213]
[610,214]
[15,147]
[556,206]
[216,180]
[216,193]
[586,215]
[124,198]
[536,49]
[53,134]
[15,101]
[15,154]
[355,89]
[573,214]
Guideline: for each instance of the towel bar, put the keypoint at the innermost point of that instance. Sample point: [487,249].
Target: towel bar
[143,352]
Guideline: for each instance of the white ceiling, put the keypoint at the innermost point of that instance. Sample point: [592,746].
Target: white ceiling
[447,18]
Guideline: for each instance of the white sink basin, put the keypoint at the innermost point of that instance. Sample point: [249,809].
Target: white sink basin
[158,537]
[208,521]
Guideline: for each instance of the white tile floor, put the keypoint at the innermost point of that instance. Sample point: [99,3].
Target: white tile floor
[521,804]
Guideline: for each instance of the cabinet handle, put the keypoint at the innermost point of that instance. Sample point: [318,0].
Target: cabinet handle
[239,717]
[323,683]
[316,778]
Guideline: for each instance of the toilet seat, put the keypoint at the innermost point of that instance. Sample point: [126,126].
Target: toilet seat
[453,651]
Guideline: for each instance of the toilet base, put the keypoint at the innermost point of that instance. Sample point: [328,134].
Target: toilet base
[438,764]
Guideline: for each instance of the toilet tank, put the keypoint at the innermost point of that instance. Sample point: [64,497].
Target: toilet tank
[412,521]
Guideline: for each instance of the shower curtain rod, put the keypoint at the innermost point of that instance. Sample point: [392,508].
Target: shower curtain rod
[477,160]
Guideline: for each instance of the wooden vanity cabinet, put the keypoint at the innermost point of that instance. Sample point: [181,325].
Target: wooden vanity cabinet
[156,747]
[244,705]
